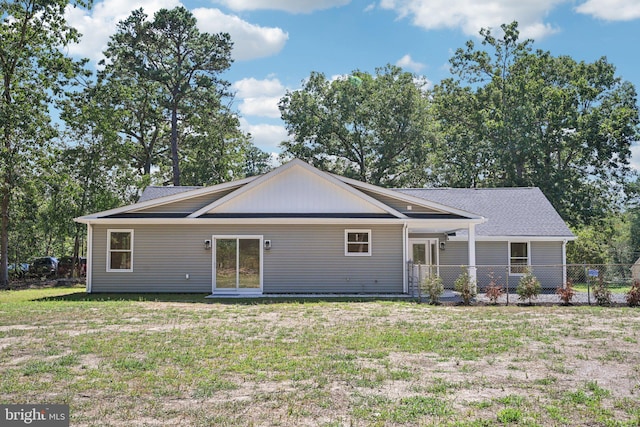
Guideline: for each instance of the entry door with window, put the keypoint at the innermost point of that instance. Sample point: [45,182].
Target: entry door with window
[237,262]
[424,254]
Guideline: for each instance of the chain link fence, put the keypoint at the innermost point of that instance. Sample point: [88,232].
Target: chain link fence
[584,278]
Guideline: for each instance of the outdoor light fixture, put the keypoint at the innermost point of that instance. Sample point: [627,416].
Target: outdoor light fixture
[207,244]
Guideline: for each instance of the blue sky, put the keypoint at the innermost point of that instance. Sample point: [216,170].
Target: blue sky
[278,43]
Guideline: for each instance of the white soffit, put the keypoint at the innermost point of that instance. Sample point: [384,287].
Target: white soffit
[297,189]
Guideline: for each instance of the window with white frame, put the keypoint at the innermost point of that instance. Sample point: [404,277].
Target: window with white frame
[357,242]
[120,250]
[518,257]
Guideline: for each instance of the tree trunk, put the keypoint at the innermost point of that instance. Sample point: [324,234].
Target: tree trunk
[174,145]
[4,240]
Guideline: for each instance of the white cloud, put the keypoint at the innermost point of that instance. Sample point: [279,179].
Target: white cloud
[635,157]
[266,137]
[261,106]
[99,23]
[472,15]
[292,6]
[259,97]
[253,87]
[408,63]
[611,10]
[249,41]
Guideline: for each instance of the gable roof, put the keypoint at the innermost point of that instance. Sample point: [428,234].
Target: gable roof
[299,192]
[296,188]
[510,211]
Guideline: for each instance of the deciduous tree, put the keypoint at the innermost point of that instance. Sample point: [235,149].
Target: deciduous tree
[375,128]
[33,71]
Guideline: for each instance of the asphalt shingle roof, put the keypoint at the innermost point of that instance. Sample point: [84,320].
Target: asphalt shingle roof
[510,211]
[153,192]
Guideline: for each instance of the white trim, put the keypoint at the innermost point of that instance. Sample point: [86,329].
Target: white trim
[89,271]
[405,258]
[166,199]
[243,291]
[471,250]
[108,266]
[427,224]
[564,263]
[528,243]
[369,242]
[295,163]
[513,238]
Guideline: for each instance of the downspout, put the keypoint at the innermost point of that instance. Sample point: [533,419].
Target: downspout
[405,242]
[89,257]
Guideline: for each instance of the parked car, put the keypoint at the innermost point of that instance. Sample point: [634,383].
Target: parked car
[66,263]
[44,267]
[18,269]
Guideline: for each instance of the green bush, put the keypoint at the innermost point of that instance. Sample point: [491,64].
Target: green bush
[434,287]
[528,287]
[466,287]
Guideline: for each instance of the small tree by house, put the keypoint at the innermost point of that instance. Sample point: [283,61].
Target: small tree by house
[434,287]
[566,292]
[466,287]
[528,287]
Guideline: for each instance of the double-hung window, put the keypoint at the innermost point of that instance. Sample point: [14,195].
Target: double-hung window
[518,257]
[357,242]
[120,250]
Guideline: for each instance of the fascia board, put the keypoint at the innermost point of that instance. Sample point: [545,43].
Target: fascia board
[135,207]
[240,221]
[514,238]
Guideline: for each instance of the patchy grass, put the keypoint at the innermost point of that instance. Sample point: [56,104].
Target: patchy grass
[122,360]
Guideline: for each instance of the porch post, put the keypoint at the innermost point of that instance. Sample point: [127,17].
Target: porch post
[564,263]
[472,253]
[405,258]
[89,269]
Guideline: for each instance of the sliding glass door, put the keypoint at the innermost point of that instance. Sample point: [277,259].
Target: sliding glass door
[237,263]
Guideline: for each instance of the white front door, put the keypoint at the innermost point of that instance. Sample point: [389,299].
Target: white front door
[424,255]
[237,264]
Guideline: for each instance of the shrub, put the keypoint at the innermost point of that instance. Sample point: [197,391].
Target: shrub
[493,291]
[633,296]
[528,287]
[434,287]
[466,287]
[566,292]
[601,293]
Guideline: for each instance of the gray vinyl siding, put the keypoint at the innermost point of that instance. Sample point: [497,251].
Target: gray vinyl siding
[303,259]
[189,205]
[399,205]
[492,259]
[546,257]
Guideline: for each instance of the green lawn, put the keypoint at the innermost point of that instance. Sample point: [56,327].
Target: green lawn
[615,288]
[123,360]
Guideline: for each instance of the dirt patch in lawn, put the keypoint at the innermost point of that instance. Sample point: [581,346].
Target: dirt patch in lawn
[291,364]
